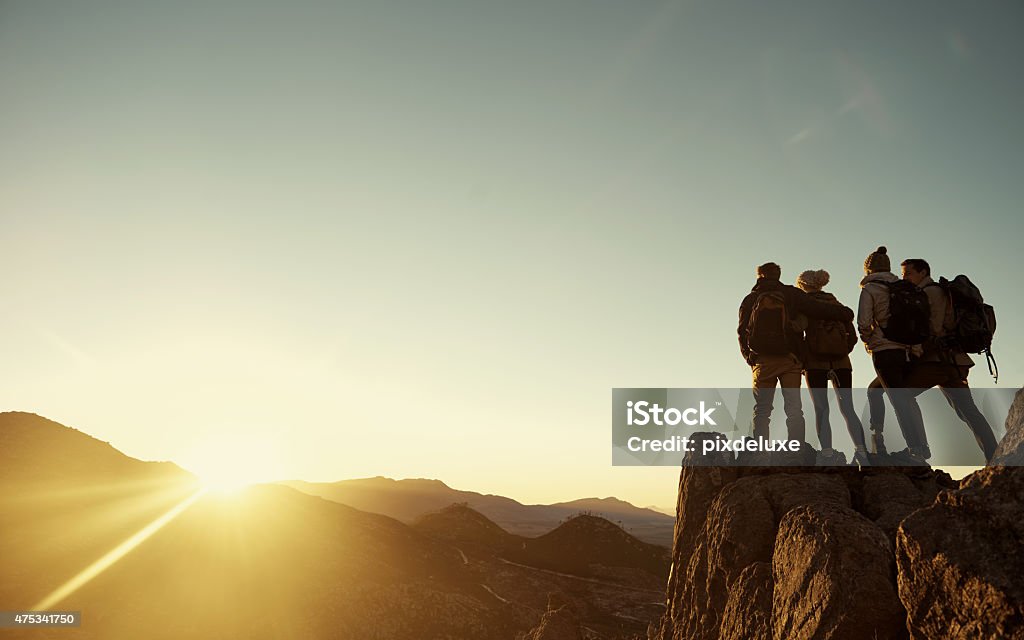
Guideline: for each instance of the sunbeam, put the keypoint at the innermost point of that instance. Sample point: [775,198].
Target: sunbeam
[115,554]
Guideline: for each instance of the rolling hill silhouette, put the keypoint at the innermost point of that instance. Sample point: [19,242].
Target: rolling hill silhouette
[407,500]
[572,547]
[267,562]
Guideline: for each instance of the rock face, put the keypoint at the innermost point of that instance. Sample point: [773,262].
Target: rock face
[1011,448]
[886,552]
[961,560]
[797,552]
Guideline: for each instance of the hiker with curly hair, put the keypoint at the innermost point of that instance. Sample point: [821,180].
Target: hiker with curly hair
[827,347]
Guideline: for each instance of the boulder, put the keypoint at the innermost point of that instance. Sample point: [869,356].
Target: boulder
[833,573]
[961,560]
[890,497]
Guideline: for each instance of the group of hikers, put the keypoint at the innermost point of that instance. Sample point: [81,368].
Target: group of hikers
[918,332]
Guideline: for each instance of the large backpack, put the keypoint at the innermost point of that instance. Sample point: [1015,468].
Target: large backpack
[828,338]
[768,324]
[974,321]
[909,313]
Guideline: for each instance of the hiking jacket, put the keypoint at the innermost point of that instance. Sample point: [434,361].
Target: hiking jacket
[942,322]
[797,302]
[873,312]
[828,363]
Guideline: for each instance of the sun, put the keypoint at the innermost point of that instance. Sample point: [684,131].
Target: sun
[224,484]
[226,465]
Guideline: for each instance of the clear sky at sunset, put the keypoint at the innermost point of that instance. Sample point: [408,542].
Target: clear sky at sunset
[426,238]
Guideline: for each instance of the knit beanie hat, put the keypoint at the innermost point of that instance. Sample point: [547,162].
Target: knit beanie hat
[769,270]
[812,280]
[877,261]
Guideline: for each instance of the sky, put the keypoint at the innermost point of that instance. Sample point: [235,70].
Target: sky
[327,240]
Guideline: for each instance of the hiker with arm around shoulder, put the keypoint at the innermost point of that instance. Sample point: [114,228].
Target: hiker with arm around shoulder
[772,344]
[798,301]
[828,345]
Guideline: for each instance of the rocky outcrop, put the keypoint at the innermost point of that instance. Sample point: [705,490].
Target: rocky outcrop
[883,552]
[794,552]
[961,560]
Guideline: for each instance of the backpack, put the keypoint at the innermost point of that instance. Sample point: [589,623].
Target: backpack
[974,321]
[828,338]
[768,324]
[909,313]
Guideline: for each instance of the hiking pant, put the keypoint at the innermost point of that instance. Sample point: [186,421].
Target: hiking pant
[952,380]
[893,369]
[842,380]
[784,371]
[876,405]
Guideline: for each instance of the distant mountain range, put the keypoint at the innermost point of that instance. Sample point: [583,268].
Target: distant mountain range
[272,561]
[571,547]
[407,500]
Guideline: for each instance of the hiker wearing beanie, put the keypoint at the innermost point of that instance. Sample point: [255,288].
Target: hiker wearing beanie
[891,358]
[828,344]
[772,344]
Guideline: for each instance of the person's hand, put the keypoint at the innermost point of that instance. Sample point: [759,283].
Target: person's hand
[945,343]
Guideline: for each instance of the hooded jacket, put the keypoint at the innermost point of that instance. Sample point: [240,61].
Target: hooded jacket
[873,312]
[797,302]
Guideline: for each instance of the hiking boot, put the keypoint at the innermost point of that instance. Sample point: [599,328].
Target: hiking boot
[878,442]
[860,458]
[830,458]
[907,458]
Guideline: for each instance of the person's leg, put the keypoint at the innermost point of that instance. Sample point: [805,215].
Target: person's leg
[789,379]
[764,396]
[843,382]
[959,396]
[817,382]
[876,409]
[893,369]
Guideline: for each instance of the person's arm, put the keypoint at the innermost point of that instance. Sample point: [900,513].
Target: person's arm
[937,305]
[866,316]
[851,336]
[811,308]
[745,309]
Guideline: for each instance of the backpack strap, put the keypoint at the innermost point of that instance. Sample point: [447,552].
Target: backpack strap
[993,368]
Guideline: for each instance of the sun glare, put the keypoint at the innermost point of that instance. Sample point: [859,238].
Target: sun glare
[225,464]
[223,485]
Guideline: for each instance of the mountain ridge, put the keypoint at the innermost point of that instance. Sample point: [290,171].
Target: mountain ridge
[409,499]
